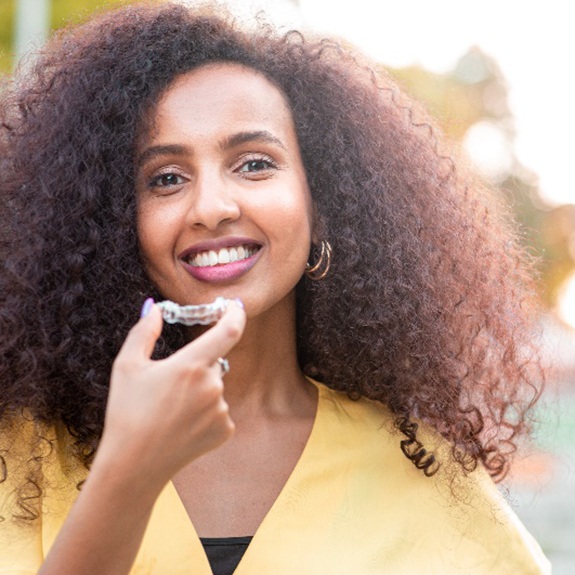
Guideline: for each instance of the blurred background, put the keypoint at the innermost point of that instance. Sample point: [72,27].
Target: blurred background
[497,74]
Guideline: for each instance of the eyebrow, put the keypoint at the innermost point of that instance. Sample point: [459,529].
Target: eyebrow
[254,136]
[229,143]
[165,150]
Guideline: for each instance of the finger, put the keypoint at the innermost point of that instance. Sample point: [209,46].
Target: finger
[143,336]
[218,340]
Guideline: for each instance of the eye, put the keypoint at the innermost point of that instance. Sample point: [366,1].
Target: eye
[166,180]
[256,166]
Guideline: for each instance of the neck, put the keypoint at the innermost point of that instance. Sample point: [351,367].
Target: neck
[265,378]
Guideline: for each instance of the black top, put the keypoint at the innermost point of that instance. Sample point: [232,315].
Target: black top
[225,553]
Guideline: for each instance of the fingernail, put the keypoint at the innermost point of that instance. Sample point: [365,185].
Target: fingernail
[147,307]
[240,302]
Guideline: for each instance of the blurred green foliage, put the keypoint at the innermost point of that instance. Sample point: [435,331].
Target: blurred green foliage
[7,10]
[73,11]
[62,12]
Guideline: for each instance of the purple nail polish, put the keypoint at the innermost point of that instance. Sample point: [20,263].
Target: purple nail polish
[147,307]
[240,302]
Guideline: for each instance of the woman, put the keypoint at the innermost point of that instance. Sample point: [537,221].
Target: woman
[158,151]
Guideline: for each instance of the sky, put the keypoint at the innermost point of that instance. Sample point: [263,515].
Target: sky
[532,42]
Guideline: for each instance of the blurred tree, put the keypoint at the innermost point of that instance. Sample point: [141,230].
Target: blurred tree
[62,12]
[71,11]
[7,9]
[474,95]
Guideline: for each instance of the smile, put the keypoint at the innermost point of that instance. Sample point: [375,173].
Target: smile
[223,256]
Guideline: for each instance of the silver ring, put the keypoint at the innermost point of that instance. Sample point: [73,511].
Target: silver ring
[224,364]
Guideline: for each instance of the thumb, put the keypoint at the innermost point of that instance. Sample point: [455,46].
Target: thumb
[143,336]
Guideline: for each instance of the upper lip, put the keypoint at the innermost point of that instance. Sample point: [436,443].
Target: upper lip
[216,245]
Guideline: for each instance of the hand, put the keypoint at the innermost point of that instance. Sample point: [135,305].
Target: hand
[163,414]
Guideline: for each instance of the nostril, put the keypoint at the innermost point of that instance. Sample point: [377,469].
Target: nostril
[212,211]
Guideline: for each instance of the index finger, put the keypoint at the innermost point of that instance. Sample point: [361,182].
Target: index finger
[140,341]
[218,340]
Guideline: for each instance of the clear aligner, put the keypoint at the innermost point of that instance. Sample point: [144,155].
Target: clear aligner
[203,314]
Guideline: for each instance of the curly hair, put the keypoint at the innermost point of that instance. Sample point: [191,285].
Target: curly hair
[429,301]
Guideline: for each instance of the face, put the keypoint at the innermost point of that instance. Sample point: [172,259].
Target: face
[223,203]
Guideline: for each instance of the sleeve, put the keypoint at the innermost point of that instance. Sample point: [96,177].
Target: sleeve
[20,474]
[41,481]
[20,548]
[473,515]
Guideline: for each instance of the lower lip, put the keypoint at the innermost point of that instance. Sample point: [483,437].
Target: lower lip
[222,272]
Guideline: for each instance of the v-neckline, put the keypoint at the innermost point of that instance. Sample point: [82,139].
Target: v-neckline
[307,455]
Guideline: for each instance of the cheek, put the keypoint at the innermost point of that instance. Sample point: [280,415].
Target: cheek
[293,214]
[153,227]
[144,235]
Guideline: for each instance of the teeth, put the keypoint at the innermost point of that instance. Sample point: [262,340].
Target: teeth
[223,256]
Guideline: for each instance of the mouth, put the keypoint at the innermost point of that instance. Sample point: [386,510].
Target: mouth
[211,258]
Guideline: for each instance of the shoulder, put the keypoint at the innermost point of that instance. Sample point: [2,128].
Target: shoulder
[39,484]
[31,448]
[450,517]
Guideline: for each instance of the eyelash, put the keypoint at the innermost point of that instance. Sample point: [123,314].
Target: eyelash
[155,181]
[254,160]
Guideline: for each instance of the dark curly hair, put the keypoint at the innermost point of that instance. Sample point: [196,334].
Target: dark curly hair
[427,306]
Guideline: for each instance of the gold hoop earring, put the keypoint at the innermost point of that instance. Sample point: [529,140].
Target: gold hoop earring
[319,270]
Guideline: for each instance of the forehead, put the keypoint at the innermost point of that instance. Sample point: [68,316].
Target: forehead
[219,95]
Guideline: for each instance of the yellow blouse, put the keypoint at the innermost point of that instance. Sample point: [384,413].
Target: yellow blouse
[353,505]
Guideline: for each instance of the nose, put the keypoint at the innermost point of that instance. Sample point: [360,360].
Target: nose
[213,202]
